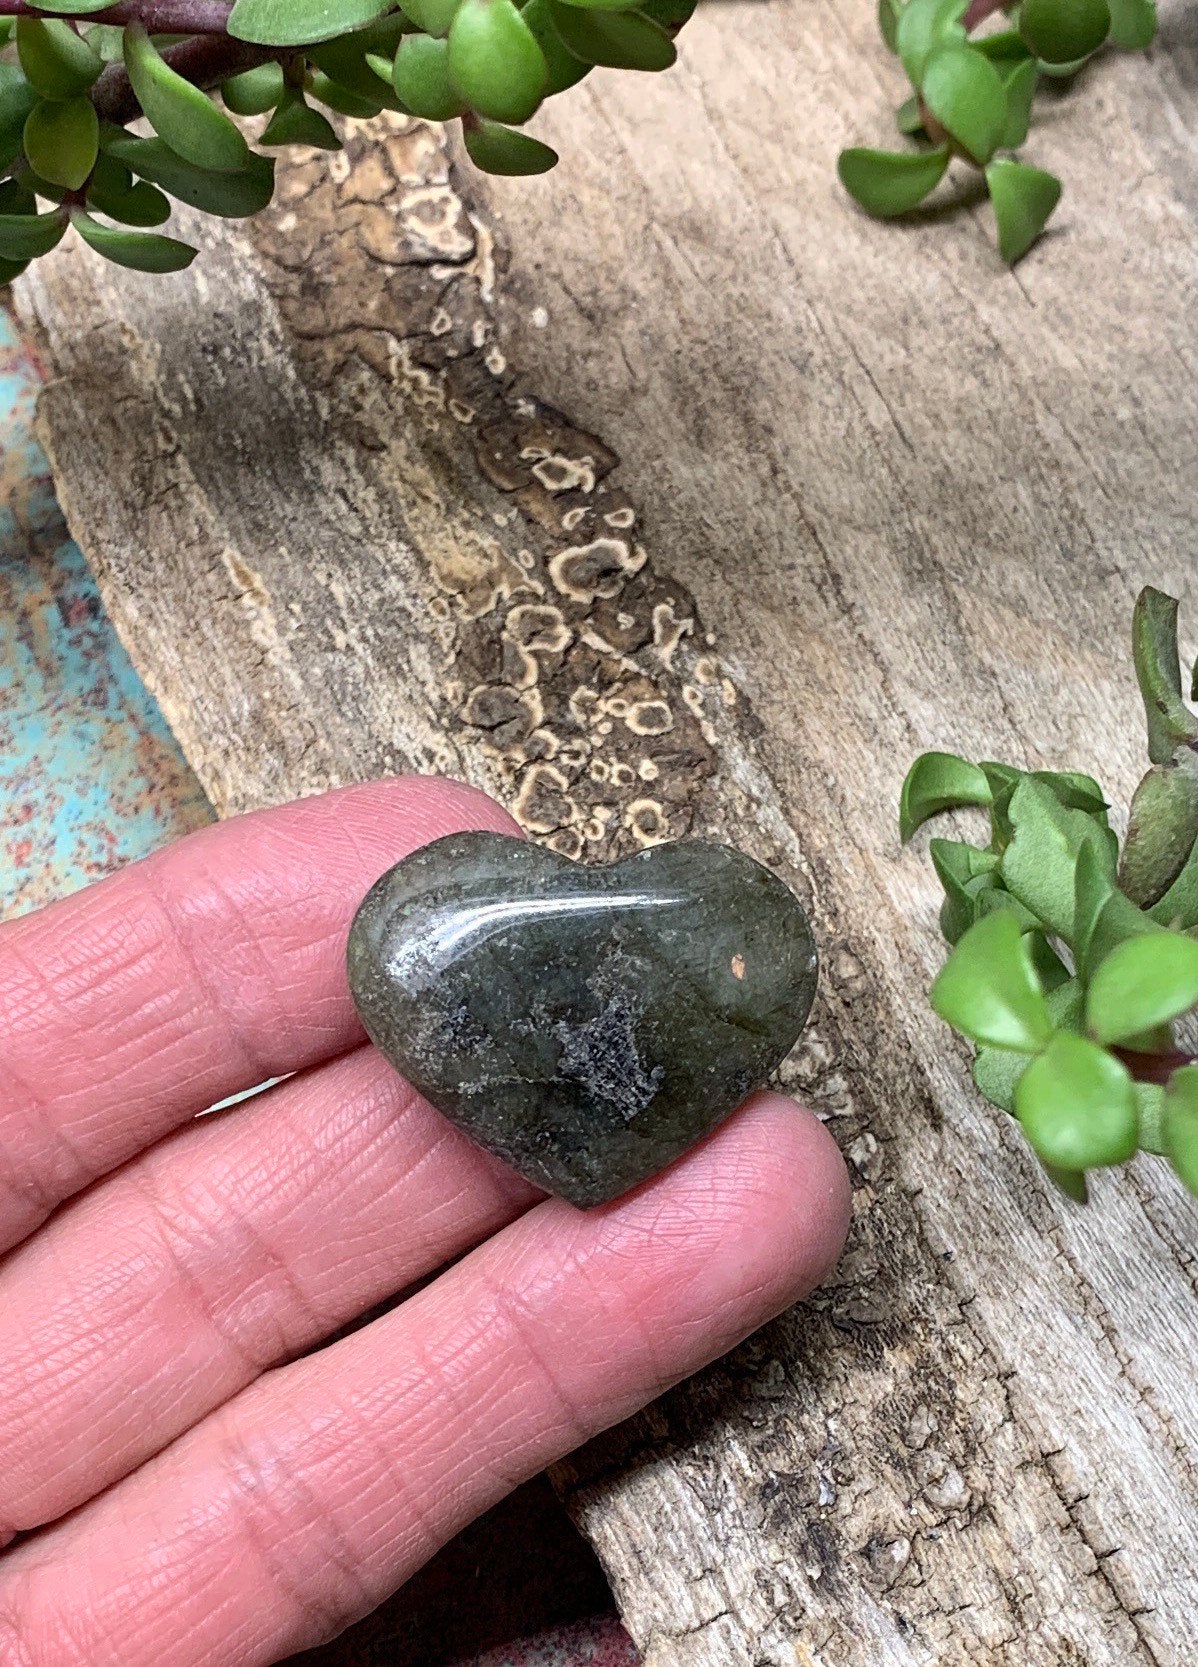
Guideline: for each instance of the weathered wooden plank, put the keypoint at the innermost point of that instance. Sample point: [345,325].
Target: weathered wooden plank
[873,493]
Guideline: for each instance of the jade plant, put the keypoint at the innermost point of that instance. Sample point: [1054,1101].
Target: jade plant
[972,96]
[1075,962]
[75,74]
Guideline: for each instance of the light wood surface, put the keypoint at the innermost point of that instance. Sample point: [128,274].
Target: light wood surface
[670,494]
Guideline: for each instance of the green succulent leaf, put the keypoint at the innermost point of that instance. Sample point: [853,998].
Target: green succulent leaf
[233,196]
[1133,23]
[615,40]
[1162,832]
[889,12]
[502,150]
[75,8]
[923,27]
[908,118]
[346,60]
[17,198]
[254,91]
[1077,1105]
[432,16]
[1181,1124]
[299,22]
[143,251]
[1158,670]
[495,62]
[996,1071]
[57,62]
[62,140]
[339,98]
[296,123]
[1019,85]
[964,91]
[112,191]
[1005,48]
[23,237]
[936,782]
[17,100]
[1178,908]
[421,79]
[564,69]
[179,113]
[886,183]
[1141,984]
[1024,199]
[1039,864]
[988,989]
[1076,791]
[1064,31]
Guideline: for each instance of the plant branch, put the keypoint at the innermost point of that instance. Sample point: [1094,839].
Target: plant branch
[161,17]
[1155,1067]
[980,10]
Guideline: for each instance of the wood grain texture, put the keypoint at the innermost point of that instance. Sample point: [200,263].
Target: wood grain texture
[670,494]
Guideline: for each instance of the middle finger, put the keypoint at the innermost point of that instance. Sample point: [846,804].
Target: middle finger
[238,1243]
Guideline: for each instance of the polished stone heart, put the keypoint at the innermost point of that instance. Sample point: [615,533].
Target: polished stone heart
[586,1024]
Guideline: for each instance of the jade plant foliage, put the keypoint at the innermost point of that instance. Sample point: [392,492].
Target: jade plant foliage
[75,74]
[1074,965]
[973,89]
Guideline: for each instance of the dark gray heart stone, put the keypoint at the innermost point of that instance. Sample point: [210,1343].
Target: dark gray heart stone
[585,1024]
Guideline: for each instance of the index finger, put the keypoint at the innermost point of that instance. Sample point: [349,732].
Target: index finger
[194,974]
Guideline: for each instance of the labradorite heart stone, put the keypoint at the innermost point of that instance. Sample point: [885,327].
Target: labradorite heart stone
[586,1024]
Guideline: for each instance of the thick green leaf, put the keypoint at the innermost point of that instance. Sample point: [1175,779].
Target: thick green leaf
[1181,1124]
[24,237]
[886,183]
[234,196]
[1063,31]
[1133,23]
[179,113]
[502,150]
[964,91]
[988,988]
[1077,1105]
[1039,864]
[113,192]
[339,98]
[1141,984]
[889,12]
[564,69]
[996,1071]
[961,868]
[74,8]
[17,99]
[495,62]
[1023,198]
[1150,1110]
[143,251]
[616,40]
[1158,671]
[299,22]
[1019,86]
[433,16]
[1072,1182]
[296,123]
[908,118]
[1162,830]
[17,198]
[671,14]
[421,79]
[1005,48]
[346,60]
[254,91]
[1076,791]
[62,141]
[1179,906]
[10,269]
[57,62]
[923,27]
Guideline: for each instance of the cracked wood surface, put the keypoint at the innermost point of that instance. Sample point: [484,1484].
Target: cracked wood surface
[667,494]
